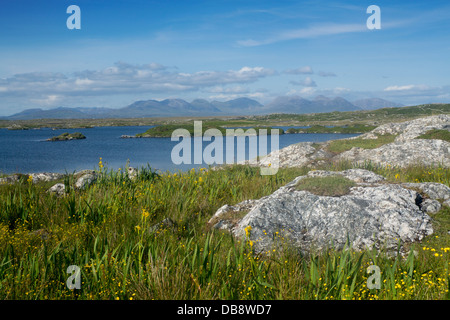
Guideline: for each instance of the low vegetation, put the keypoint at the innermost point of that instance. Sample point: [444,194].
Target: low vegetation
[114,232]
[338,146]
[356,128]
[436,134]
[333,186]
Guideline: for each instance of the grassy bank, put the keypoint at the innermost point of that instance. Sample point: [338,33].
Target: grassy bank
[355,128]
[166,130]
[119,233]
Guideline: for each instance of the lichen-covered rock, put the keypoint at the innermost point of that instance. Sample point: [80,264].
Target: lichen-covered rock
[409,130]
[132,173]
[85,181]
[46,176]
[58,189]
[227,216]
[35,177]
[406,150]
[402,154]
[373,214]
[430,206]
[434,190]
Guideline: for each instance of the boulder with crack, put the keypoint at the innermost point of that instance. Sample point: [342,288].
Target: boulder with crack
[373,214]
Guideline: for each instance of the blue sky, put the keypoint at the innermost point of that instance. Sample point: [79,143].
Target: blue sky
[219,50]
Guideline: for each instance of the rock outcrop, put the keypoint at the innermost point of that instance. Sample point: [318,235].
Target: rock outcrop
[58,189]
[374,214]
[406,149]
[86,180]
[402,154]
[35,177]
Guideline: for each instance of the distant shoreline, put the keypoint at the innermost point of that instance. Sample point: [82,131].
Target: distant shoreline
[364,117]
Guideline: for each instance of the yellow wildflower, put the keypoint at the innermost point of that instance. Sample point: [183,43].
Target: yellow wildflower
[247,231]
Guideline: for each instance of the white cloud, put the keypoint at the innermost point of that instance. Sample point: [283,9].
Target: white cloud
[226,96]
[124,78]
[83,82]
[420,87]
[307,82]
[340,90]
[49,100]
[301,70]
[305,92]
[220,89]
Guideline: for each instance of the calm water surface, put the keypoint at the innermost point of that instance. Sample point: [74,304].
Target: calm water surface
[27,151]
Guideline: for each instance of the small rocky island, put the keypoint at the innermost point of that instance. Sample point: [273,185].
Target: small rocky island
[68,136]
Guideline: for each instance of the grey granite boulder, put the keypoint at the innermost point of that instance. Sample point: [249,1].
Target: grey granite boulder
[58,189]
[373,214]
[132,173]
[402,154]
[433,190]
[46,176]
[35,177]
[85,181]
[409,130]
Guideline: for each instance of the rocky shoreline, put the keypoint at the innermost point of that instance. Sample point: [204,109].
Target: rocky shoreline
[407,149]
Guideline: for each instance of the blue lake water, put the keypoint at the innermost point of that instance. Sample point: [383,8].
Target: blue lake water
[27,151]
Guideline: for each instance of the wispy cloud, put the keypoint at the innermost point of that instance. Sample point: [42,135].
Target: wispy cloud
[305,33]
[420,87]
[326,74]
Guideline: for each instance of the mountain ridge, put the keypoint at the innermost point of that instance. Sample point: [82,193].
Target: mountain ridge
[202,107]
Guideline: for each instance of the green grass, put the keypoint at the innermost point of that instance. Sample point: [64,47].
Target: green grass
[108,231]
[436,134]
[373,117]
[333,186]
[166,130]
[338,146]
[354,128]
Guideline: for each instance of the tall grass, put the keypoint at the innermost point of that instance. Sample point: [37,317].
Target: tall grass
[148,238]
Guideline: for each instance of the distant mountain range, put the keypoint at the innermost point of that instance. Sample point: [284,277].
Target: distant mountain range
[201,107]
